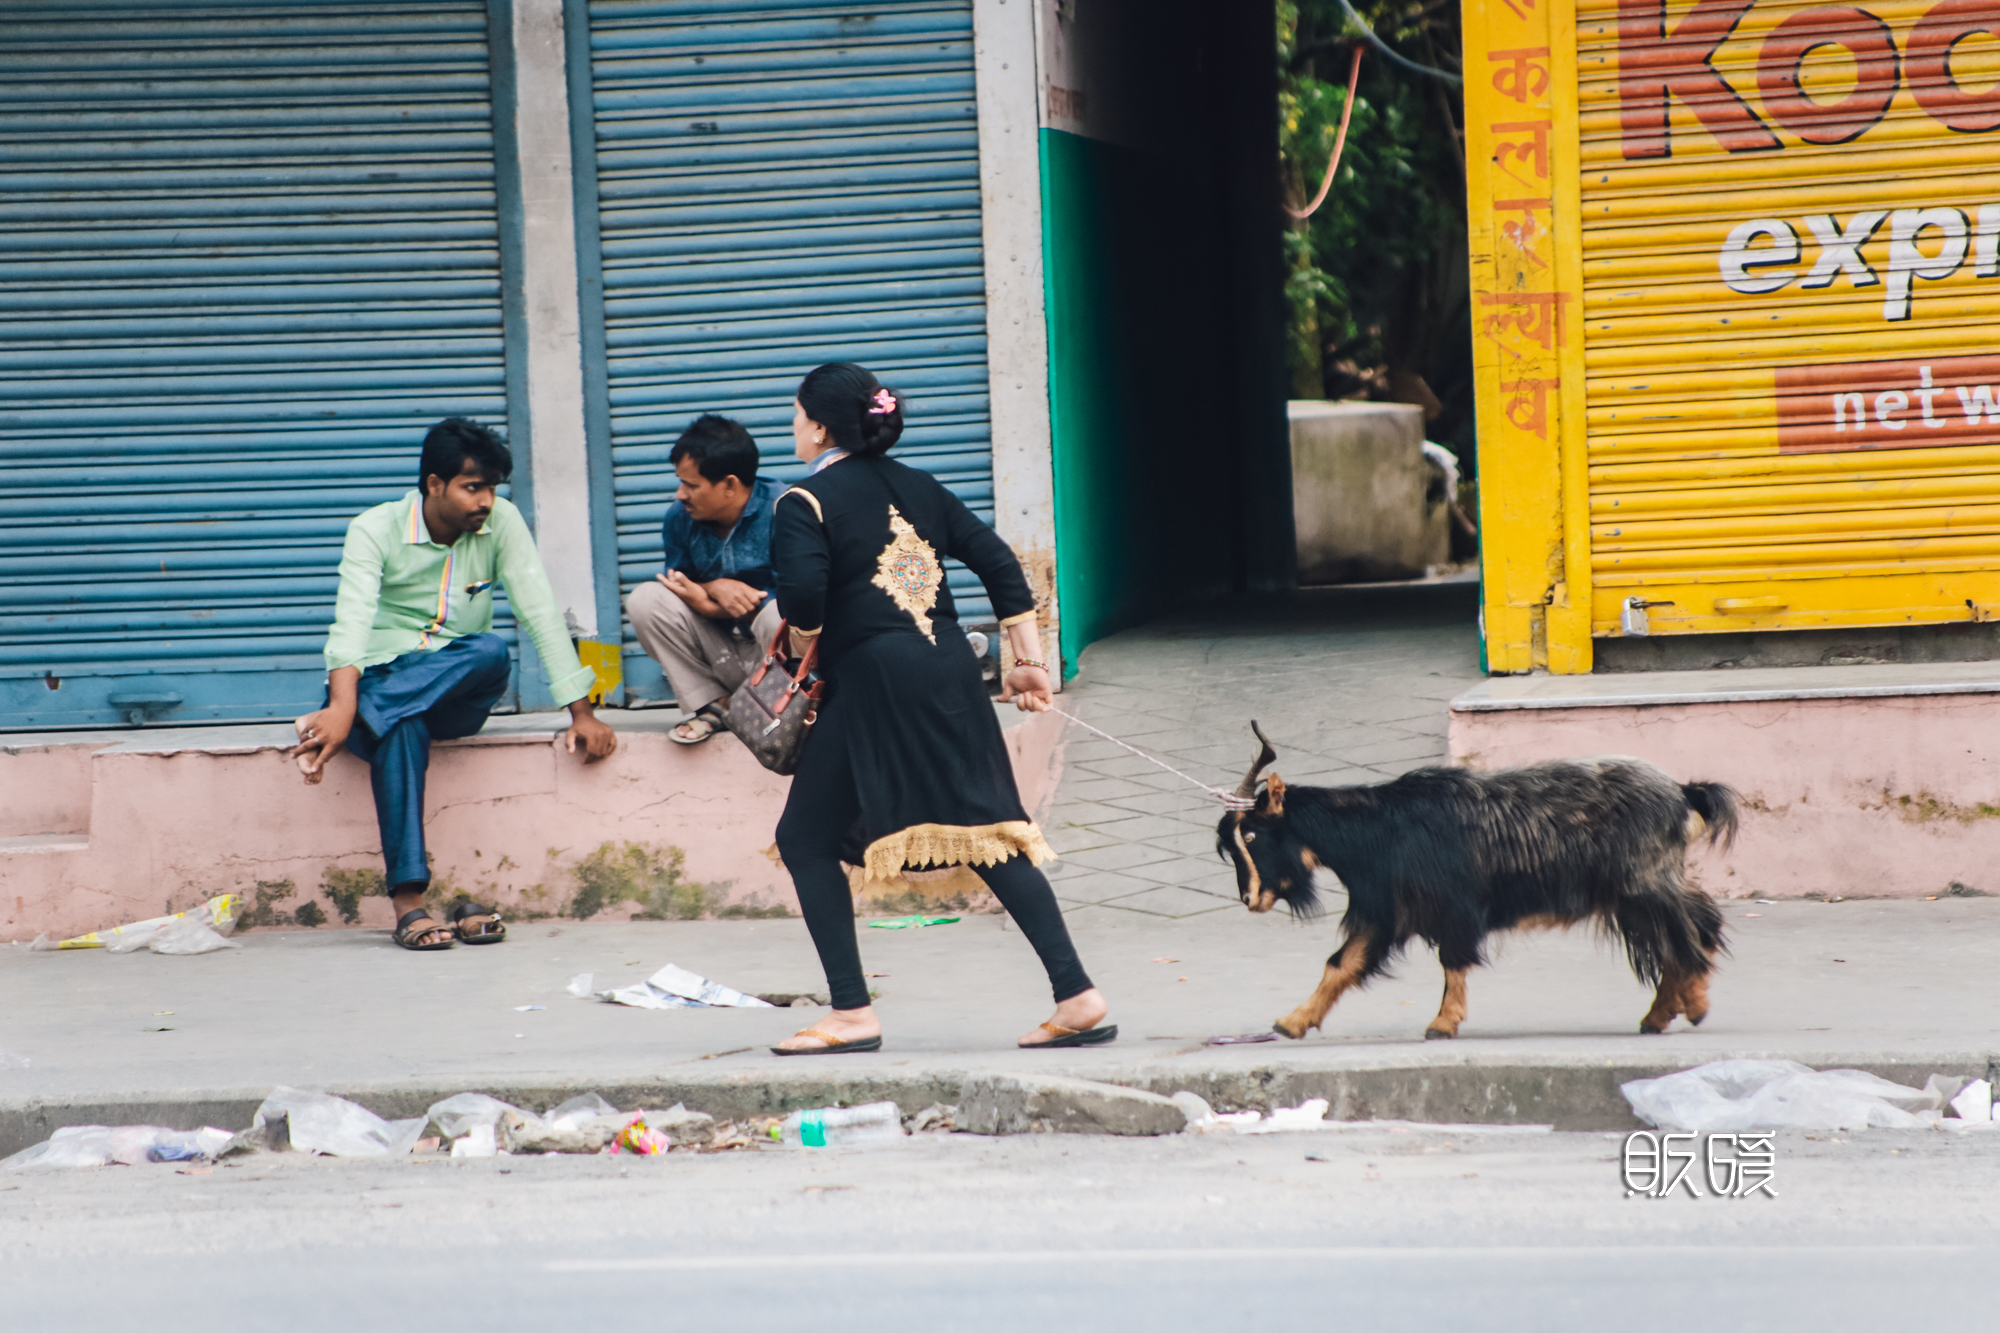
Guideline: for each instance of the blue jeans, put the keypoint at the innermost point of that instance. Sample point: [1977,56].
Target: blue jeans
[405,705]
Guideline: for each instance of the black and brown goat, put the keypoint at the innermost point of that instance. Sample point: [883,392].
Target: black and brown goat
[1449,856]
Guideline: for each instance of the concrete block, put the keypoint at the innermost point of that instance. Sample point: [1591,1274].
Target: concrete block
[1360,490]
[103,827]
[1009,1104]
[1856,781]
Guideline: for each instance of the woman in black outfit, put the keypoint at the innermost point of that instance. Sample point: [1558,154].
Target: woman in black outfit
[905,767]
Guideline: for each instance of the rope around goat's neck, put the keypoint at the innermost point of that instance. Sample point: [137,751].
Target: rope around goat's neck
[1230,800]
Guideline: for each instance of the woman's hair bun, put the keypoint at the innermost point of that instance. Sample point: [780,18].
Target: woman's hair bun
[864,416]
[881,422]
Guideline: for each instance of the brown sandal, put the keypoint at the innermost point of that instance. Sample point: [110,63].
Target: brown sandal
[408,929]
[477,932]
[707,721]
[834,1045]
[1062,1036]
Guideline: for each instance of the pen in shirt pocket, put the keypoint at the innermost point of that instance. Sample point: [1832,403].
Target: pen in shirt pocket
[474,589]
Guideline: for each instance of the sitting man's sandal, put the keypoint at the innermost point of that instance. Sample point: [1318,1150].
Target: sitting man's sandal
[705,723]
[1062,1036]
[477,932]
[408,930]
[833,1046]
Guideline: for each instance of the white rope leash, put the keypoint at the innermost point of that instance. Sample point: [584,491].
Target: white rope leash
[1230,800]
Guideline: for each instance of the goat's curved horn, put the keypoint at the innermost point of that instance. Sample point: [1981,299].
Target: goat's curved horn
[1265,756]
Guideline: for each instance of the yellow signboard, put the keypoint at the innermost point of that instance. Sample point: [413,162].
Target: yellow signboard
[1736,271]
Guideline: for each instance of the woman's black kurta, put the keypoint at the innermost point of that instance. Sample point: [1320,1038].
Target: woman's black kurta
[857,551]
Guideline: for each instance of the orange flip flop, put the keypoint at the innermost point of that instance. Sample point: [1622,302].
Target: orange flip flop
[834,1045]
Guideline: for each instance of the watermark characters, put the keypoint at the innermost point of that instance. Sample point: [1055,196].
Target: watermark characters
[1722,1166]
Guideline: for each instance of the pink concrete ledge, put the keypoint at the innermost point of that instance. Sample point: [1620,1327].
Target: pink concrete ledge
[98,828]
[1857,781]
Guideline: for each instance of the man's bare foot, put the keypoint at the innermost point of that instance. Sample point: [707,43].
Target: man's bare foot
[1079,1013]
[846,1024]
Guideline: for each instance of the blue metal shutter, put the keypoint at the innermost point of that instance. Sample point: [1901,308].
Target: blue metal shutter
[782,185]
[248,252]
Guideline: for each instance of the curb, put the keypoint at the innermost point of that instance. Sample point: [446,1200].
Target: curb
[1567,1095]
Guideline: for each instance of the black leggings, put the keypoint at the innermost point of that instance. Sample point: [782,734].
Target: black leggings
[818,815]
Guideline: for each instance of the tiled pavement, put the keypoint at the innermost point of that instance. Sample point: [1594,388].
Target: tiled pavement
[1349,684]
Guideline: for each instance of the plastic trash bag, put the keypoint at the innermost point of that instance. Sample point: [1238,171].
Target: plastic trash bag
[175,935]
[337,1127]
[458,1115]
[218,913]
[1201,1119]
[576,1110]
[1200,1115]
[480,1141]
[1778,1094]
[189,936]
[681,1124]
[101,1145]
[1974,1102]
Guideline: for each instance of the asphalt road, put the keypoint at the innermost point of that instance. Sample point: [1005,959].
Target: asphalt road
[1426,1229]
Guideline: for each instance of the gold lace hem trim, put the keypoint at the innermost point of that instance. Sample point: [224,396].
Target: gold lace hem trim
[923,845]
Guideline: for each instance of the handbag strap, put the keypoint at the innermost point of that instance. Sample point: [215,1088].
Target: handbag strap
[776,654]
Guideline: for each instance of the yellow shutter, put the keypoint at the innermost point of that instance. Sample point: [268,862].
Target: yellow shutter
[1790,311]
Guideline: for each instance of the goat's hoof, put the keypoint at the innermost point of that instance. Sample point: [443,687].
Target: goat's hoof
[1648,1030]
[1283,1031]
[1435,1034]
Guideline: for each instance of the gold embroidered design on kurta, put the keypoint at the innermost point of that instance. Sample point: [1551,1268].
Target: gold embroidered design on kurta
[909,571]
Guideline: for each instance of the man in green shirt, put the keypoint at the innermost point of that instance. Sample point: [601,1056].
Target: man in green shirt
[411,657]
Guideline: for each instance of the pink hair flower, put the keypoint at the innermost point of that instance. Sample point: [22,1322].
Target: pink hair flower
[885,403]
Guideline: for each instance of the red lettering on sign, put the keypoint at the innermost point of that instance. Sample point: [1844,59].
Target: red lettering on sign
[1534,315]
[1889,405]
[1653,64]
[1528,404]
[1523,74]
[1532,151]
[1936,91]
[1864,37]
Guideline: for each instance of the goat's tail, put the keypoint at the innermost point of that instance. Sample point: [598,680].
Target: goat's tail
[1716,804]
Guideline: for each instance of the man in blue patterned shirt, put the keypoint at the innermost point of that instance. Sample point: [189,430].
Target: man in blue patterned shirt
[708,618]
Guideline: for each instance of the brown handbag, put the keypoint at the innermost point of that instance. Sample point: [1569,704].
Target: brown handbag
[772,711]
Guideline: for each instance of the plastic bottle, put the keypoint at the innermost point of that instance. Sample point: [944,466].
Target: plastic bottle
[835,1126]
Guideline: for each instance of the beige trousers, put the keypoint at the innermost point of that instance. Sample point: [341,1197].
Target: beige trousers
[703,659]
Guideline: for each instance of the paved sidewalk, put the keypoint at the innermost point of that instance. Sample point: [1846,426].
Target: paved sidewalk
[1904,988]
[1351,685]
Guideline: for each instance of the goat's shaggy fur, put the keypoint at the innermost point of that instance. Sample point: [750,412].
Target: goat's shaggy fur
[1449,856]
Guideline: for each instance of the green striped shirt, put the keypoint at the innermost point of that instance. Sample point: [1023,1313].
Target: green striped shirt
[401,592]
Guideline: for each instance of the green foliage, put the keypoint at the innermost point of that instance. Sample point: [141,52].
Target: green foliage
[346,888]
[637,873]
[1377,277]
